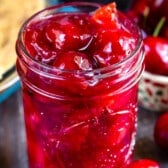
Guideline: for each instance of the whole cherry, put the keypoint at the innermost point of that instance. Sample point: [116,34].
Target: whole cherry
[63,33]
[73,60]
[147,13]
[144,163]
[156,51]
[156,56]
[139,5]
[161,131]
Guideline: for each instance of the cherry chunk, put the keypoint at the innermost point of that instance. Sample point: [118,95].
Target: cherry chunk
[69,32]
[113,46]
[114,41]
[72,60]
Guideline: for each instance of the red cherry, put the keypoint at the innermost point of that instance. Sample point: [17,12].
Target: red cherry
[131,14]
[114,133]
[144,163]
[37,47]
[71,32]
[73,61]
[108,128]
[140,9]
[55,35]
[85,113]
[121,121]
[154,5]
[139,6]
[72,83]
[156,57]
[38,155]
[30,39]
[114,46]
[161,131]
[147,13]
[159,7]
[73,136]
[164,8]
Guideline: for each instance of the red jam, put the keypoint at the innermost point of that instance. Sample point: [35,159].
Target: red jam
[73,121]
[91,41]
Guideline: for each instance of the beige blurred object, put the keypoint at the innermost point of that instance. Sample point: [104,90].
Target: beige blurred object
[12,15]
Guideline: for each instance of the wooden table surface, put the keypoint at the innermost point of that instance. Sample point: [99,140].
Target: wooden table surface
[12,137]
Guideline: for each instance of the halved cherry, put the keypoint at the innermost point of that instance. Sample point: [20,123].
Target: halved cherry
[72,60]
[72,32]
[36,45]
[114,46]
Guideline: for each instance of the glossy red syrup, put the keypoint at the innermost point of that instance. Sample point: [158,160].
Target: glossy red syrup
[87,125]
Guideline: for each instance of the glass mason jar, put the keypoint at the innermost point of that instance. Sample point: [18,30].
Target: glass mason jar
[74,118]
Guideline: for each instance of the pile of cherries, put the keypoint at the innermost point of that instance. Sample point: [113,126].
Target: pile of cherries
[152,18]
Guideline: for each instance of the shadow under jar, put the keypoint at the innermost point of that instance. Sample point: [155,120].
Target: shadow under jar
[77,118]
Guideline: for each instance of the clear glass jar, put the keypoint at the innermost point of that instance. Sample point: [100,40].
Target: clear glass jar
[75,118]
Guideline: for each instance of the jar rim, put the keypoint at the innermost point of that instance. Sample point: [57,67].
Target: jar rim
[55,69]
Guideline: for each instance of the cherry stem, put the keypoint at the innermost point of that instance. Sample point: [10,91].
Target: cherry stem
[159,26]
[146,11]
[145,14]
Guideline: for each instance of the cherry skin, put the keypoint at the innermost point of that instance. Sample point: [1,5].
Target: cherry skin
[139,12]
[63,32]
[70,63]
[113,43]
[45,39]
[161,131]
[107,127]
[144,163]
[139,6]
[39,49]
[159,6]
[164,31]
[133,15]
[113,50]
[73,60]
[147,13]
[156,58]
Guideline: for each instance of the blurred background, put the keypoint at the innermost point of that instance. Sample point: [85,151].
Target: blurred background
[122,4]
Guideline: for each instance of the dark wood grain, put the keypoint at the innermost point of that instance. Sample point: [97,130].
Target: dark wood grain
[12,135]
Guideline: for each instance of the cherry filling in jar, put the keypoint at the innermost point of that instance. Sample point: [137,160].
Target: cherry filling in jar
[79,65]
